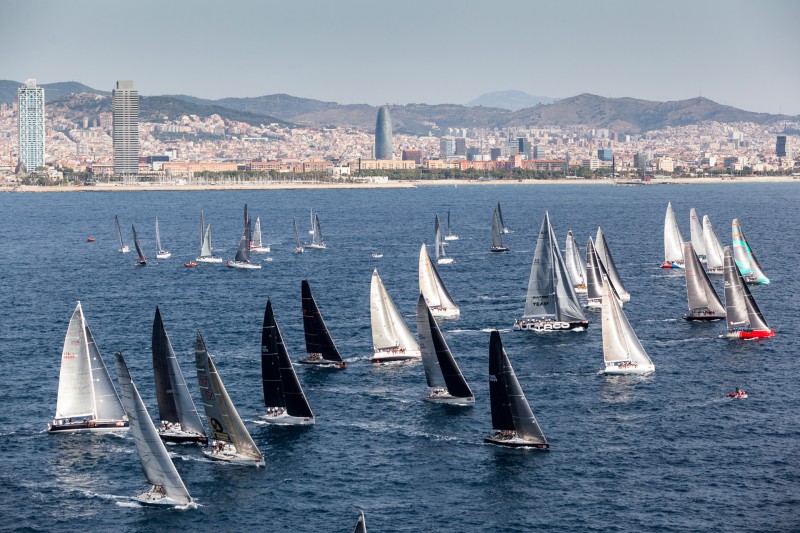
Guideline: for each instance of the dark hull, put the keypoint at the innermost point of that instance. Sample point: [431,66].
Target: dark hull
[324,363]
[88,426]
[517,443]
[501,249]
[703,318]
[546,326]
[184,439]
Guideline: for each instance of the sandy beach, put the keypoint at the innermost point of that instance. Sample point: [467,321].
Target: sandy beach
[118,187]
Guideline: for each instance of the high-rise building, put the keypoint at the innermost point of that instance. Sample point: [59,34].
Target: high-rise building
[605,154]
[447,147]
[538,152]
[461,146]
[495,153]
[413,155]
[125,128]
[524,147]
[30,99]
[383,135]
[780,146]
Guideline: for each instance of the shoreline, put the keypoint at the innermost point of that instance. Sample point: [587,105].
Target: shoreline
[399,184]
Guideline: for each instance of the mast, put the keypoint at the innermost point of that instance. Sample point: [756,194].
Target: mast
[223,419]
[174,400]
[673,242]
[275,356]
[318,338]
[742,310]
[696,234]
[700,293]
[202,228]
[158,467]
[441,368]
[604,255]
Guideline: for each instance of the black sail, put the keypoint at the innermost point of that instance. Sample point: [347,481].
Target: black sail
[501,407]
[243,251]
[318,338]
[453,378]
[138,246]
[270,363]
[293,398]
[162,349]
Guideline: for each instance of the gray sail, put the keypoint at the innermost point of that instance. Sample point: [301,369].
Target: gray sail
[433,372]
[743,313]
[223,419]
[700,292]
[158,237]
[106,401]
[142,259]
[202,228]
[157,465]
[696,234]
[604,254]
[119,233]
[174,400]
[206,251]
[361,525]
[257,234]
[502,220]
[620,343]
[575,265]
[714,251]
[296,235]
[568,305]
[438,239]
[497,228]
[596,274]
[317,237]
[540,301]
[243,251]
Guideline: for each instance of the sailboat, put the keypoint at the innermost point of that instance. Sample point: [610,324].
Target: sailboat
[696,236]
[622,351]
[432,288]
[439,244]
[704,304]
[316,237]
[179,419]
[298,248]
[503,227]
[604,255]
[141,259]
[206,252]
[551,303]
[230,440]
[319,344]
[257,245]
[167,486]
[161,253]
[576,267]
[595,276]
[123,248]
[673,242]
[745,320]
[497,234]
[284,399]
[450,235]
[242,259]
[87,400]
[311,228]
[714,253]
[446,384]
[391,339]
[512,416]
[745,258]
[361,524]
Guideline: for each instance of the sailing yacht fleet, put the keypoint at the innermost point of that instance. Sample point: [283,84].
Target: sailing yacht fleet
[88,402]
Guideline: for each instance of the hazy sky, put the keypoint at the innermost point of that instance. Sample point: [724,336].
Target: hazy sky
[741,53]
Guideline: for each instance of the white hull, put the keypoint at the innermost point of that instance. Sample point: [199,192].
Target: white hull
[260,249]
[286,420]
[163,255]
[581,290]
[242,264]
[444,260]
[395,356]
[615,370]
[719,271]
[445,314]
[451,237]
[208,260]
[450,400]
[124,250]
[232,457]
[298,250]
[316,246]
[377,256]
[58,429]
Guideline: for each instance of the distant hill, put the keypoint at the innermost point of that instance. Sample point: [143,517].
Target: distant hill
[52,91]
[511,100]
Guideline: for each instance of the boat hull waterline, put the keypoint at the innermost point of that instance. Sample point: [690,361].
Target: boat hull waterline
[396,357]
[286,420]
[516,442]
[542,326]
[243,265]
[91,426]
[750,334]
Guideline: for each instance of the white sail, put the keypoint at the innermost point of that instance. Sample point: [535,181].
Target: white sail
[673,242]
[569,307]
[157,465]
[432,288]
[206,250]
[621,346]
[389,331]
[713,248]
[122,247]
[604,255]
[75,391]
[438,241]
[575,266]
[696,234]
[257,234]
[158,237]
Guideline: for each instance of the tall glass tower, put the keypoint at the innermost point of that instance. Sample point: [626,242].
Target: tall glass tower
[125,131]
[383,134]
[30,99]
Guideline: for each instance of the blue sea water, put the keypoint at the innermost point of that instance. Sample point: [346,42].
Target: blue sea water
[667,452]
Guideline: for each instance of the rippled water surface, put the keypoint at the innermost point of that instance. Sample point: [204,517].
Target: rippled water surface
[667,452]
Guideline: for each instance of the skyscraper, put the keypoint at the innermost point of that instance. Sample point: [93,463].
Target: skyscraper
[383,134]
[125,113]
[31,125]
[780,146]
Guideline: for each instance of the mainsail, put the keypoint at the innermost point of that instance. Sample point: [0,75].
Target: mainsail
[142,259]
[575,265]
[438,240]
[175,402]
[281,386]
[696,234]
[620,343]
[318,338]
[743,312]
[317,237]
[502,220]
[714,253]
[510,408]
[257,234]
[122,247]
[158,467]
[431,285]
[673,242]
[243,251]
[205,250]
[223,419]
[441,369]
[389,331]
[497,230]
[744,256]
[297,246]
[700,292]
[75,390]
[596,274]
[158,237]
[604,255]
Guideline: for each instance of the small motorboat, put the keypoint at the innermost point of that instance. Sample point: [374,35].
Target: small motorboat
[377,256]
[190,264]
[89,239]
[738,393]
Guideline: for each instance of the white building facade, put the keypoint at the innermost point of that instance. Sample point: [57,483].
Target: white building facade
[30,99]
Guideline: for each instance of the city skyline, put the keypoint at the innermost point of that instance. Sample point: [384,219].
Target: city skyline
[738,53]
[31,127]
